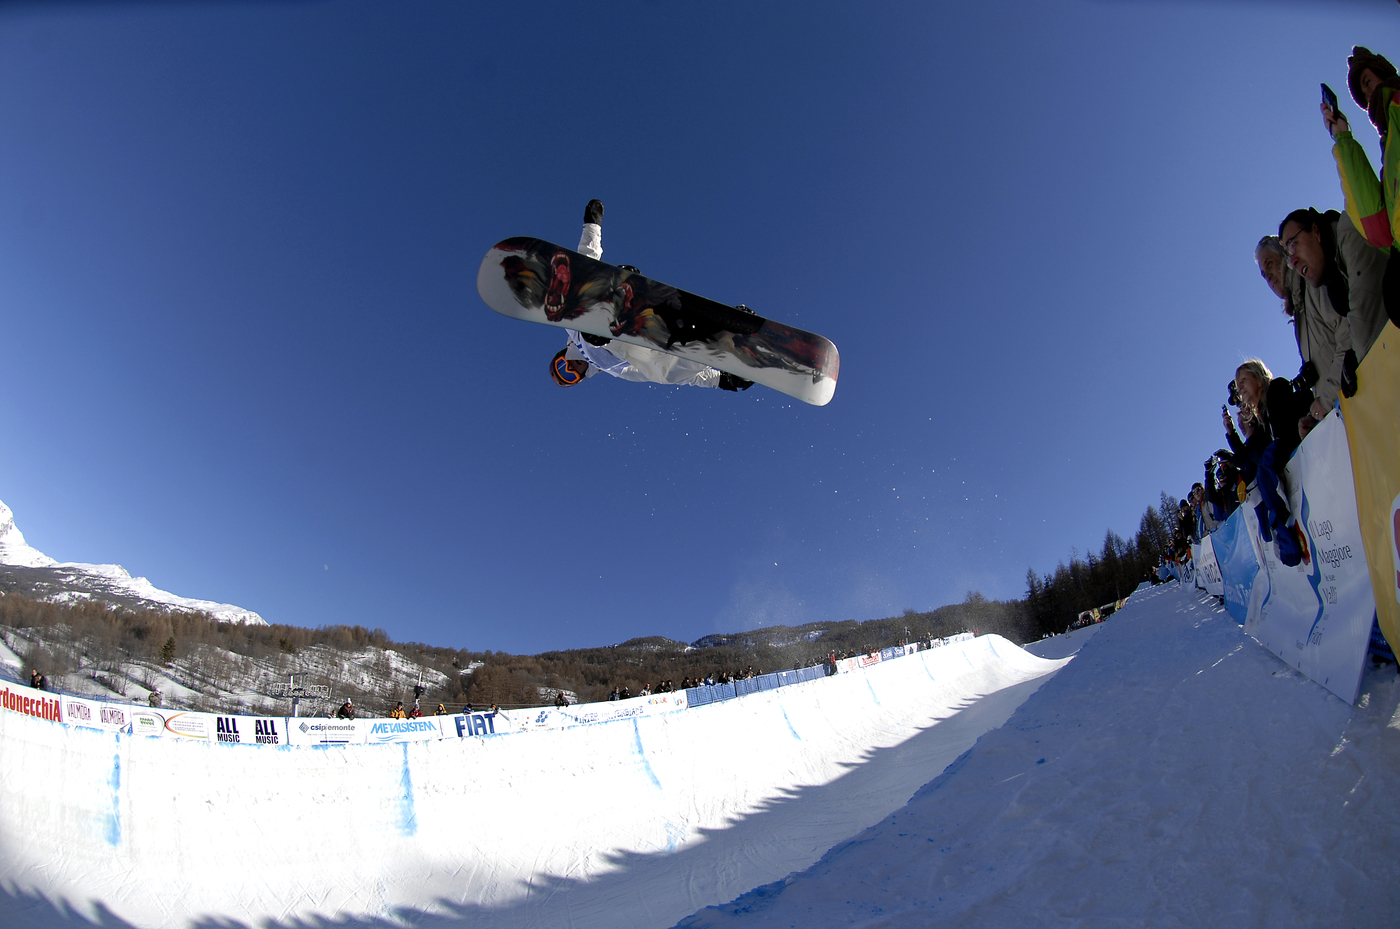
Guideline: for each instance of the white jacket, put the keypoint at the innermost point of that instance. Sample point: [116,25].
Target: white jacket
[625,360]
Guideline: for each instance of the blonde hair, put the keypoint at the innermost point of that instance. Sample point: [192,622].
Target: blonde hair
[1260,372]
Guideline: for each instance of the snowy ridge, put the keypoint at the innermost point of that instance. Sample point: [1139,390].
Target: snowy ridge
[46,579]
[13,549]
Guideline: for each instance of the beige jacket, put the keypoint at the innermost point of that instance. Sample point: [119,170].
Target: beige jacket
[1324,335]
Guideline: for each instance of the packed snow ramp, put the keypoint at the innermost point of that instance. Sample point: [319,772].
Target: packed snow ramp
[632,822]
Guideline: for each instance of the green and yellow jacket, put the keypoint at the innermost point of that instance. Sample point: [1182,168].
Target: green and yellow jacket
[1373,203]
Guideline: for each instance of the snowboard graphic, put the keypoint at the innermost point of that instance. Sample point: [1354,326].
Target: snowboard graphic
[532,279]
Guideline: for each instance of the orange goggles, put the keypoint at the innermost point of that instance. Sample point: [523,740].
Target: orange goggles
[564,374]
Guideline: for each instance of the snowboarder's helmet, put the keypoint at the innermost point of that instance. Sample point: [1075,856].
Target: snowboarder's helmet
[567,373]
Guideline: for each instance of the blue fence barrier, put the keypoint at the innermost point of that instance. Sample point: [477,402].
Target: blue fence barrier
[714,693]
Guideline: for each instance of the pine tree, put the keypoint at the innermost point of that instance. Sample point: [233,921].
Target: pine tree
[167,651]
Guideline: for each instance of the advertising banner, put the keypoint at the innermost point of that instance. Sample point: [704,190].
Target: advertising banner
[846,665]
[1373,435]
[16,698]
[251,730]
[423,729]
[311,730]
[583,715]
[174,724]
[1317,615]
[97,714]
[1207,571]
[1235,556]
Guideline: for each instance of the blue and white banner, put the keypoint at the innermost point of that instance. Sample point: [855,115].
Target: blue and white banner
[583,714]
[1317,616]
[1207,570]
[1235,557]
[422,729]
[463,725]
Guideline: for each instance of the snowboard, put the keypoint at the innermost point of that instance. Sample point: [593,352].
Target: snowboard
[535,280]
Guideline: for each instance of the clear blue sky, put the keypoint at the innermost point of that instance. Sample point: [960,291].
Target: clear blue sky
[242,354]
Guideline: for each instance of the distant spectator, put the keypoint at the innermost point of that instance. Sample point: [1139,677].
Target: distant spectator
[416,712]
[37,680]
[441,710]
[397,711]
[155,699]
[1371,204]
[346,711]
[561,701]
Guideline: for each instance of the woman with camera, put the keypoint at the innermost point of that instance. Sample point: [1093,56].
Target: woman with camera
[1274,416]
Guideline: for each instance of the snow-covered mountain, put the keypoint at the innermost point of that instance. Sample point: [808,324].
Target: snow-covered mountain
[28,571]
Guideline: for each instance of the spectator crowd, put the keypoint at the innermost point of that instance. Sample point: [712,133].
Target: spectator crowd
[1337,275]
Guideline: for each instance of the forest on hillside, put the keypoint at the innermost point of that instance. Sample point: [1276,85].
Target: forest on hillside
[100,639]
[104,642]
[1054,601]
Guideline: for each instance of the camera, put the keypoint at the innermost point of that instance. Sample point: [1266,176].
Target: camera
[1307,376]
[1234,395]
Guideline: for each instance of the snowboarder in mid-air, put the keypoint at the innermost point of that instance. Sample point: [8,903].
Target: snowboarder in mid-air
[585,355]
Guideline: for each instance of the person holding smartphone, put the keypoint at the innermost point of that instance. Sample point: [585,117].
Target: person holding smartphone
[1373,206]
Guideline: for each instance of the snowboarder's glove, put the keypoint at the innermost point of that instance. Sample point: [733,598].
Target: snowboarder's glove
[1349,364]
[728,381]
[593,213]
[594,339]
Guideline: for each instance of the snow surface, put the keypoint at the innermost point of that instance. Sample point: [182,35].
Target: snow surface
[102,581]
[1174,774]
[635,822]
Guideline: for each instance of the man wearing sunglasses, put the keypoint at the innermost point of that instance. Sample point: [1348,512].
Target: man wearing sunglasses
[585,355]
[1342,309]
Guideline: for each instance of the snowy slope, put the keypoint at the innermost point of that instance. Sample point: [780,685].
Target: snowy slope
[634,822]
[1174,774]
[29,571]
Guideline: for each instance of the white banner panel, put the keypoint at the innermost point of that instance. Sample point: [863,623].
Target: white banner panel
[97,714]
[174,724]
[1208,575]
[422,729]
[311,730]
[251,730]
[1317,616]
[16,698]
[469,724]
